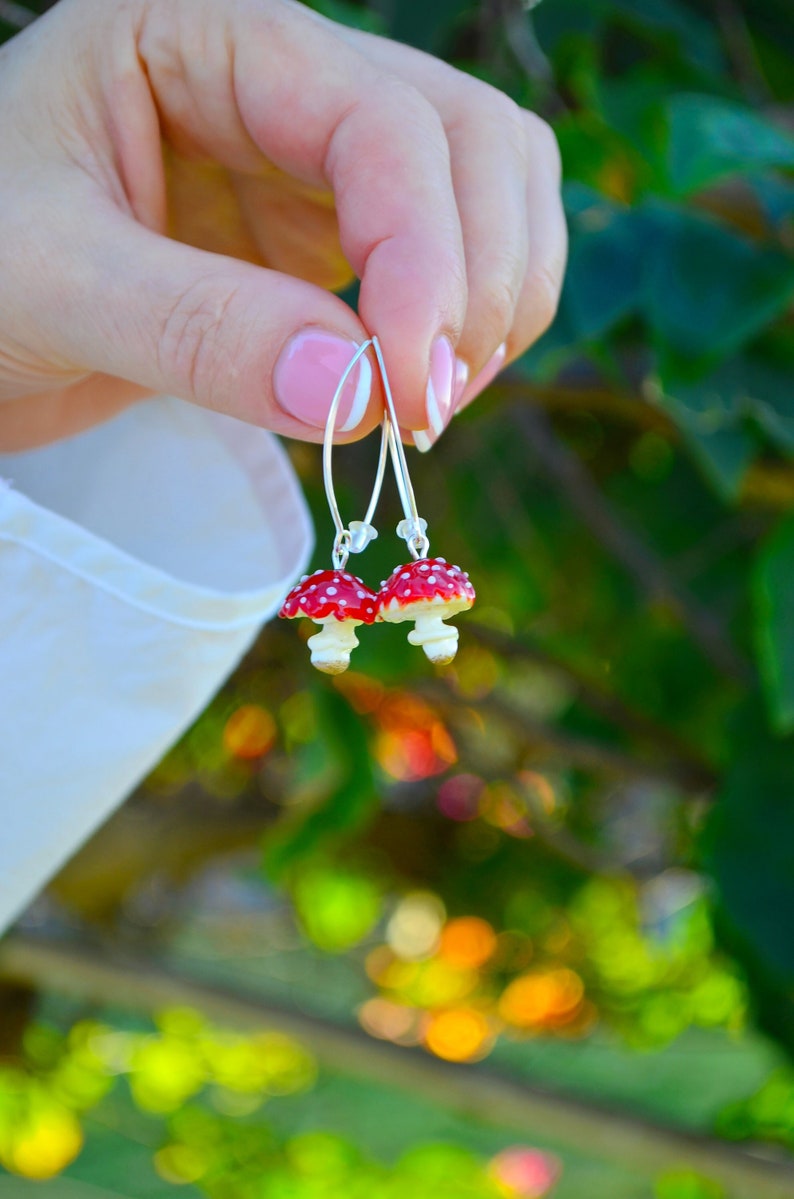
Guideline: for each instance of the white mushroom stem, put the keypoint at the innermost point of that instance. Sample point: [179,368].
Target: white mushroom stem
[332,646]
[438,640]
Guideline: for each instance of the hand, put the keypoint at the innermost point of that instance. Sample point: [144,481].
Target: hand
[182,182]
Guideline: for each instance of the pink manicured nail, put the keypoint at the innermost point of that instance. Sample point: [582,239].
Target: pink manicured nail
[307,374]
[439,399]
[483,377]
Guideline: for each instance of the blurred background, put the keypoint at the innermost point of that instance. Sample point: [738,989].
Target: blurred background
[524,925]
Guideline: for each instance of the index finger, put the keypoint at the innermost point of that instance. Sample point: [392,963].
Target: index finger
[284,85]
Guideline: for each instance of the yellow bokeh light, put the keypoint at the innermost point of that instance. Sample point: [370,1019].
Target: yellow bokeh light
[458,1035]
[504,808]
[540,790]
[180,1164]
[50,1142]
[415,927]
[438,984]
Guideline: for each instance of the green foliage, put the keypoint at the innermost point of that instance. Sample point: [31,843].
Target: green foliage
[774,582]
[711,138]
[604,778]
[683,1184]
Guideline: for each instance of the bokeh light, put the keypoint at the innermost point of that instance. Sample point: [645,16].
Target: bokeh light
[458,1034]
[389,1021]
[467,942]
[458,797]
[337,907]
[524,1173]
[414,928]
[542,999]
[249,733]
[412,743]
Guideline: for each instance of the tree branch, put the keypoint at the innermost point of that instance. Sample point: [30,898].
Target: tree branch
[685,760]
[641,563]
[136,984]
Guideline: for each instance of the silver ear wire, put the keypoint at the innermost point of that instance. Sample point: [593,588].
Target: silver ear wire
[355,537]
[413,529]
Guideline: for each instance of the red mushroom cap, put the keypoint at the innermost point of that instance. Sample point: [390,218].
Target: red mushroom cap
[426,579]
[329,593]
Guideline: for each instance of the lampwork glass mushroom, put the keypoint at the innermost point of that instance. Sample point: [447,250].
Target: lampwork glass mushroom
[428,592]
[338,601]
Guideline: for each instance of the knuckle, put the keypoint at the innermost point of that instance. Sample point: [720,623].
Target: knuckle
[543,140]
[406,100]
[481,105]
[544,291]
[498,305]
[193,346]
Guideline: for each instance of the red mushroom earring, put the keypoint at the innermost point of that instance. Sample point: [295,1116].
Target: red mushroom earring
[337,599]
[424,590]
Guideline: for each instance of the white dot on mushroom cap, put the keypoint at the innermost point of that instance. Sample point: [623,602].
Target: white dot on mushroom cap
[369,609]
[331,591]
[343,603]
[405,575]
[451,586]
[440,559]
[313,587]
[407,591]
[424,567]
[318,572]
[431,578]
[383,582]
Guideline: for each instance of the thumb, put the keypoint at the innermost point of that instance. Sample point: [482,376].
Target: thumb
[238,338]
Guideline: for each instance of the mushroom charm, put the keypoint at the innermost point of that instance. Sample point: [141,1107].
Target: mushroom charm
[338,601]
[428,592]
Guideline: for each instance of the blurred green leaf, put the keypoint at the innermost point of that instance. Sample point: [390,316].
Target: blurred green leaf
[750,852]
[707,290]
[692,35]
[604,278]
[352,798]
[774,592]
[711,138]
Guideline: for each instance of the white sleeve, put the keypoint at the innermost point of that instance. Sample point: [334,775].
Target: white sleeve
[138,561]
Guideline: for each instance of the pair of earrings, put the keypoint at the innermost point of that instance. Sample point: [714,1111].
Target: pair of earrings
[425,590]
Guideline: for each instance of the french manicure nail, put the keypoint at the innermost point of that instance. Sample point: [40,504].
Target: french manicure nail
[307,374]
[440,386]
[448,376]
[461,379]
[483,377]
[423,440]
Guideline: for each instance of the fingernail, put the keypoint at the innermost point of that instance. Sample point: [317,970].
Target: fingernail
[307,374]
[461,379]
[423,441]
[440,386]
[483,377]
[447,373]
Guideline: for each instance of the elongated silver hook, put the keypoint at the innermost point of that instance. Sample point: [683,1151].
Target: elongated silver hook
[355,537]
[413,529]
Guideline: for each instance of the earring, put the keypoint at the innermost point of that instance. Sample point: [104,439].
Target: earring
[424,590]
[335,599]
